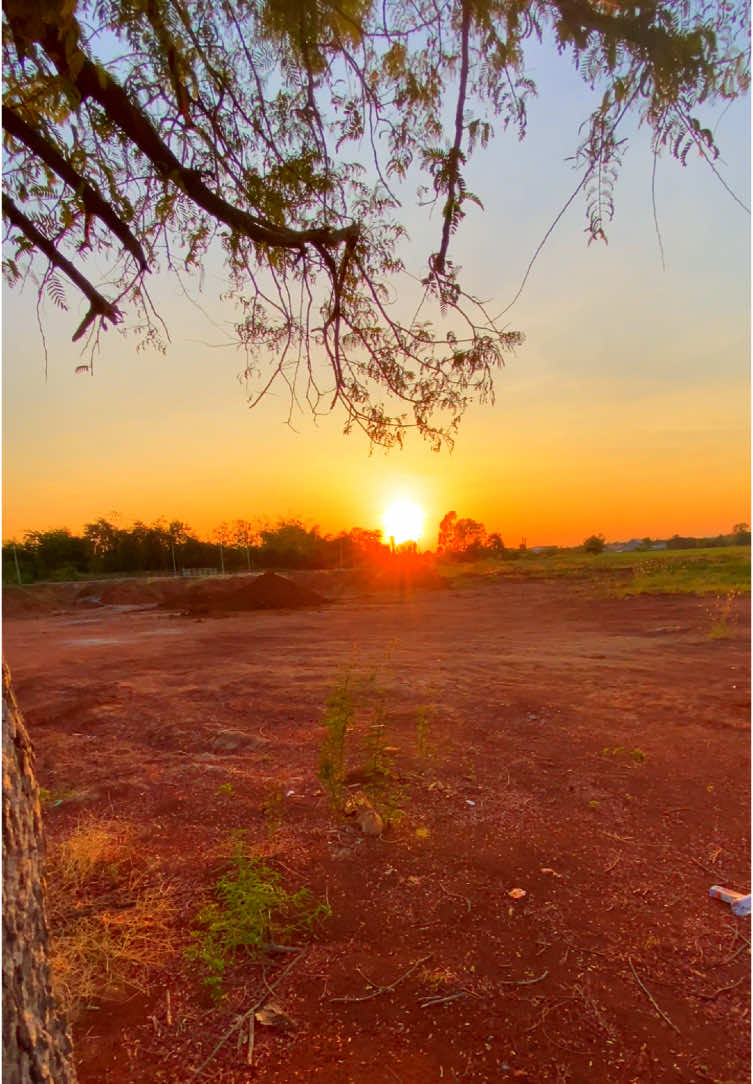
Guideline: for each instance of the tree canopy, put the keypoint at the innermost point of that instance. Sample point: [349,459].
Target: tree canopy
[141,133]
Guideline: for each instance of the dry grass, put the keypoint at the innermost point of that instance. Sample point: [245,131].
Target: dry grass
[110,914]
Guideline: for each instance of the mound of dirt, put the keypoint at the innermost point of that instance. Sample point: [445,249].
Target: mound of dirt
[35,600]
[266,592]
[127,593]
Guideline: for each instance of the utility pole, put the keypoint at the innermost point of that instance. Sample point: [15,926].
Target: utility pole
[18,570]
[222,561]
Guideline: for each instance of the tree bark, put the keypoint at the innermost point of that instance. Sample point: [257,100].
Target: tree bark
[37,1046]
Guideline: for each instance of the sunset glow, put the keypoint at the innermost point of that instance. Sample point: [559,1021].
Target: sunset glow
[404,522]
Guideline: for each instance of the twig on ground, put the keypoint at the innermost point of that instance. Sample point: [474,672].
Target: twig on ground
[608,869]
[169,1013]
[522,982]
[384,989]
[582,948]
[721,990]
[547,1009]
[456,896]
[250,1050]
[711,872]
[249,1012]
[736,953]
[651,998]
[441,1000]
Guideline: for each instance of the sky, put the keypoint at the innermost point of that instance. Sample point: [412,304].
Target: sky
[625,412]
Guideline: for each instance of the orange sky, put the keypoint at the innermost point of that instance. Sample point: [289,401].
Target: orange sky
[626,411]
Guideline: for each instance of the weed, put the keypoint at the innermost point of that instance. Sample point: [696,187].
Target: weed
[338,720]
[53,798]
[225,789]
[619,752]
[424,716]
[720,613]
[251,912]
[109,922]
[386,794]
[593,804]
[273,809]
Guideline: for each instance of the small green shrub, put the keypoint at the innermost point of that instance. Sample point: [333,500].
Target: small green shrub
[274,808]
[252,913]
[225,789]
[338,719]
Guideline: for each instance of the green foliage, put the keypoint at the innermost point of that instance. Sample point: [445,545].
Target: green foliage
[225,790]
[251,913]
[338,719]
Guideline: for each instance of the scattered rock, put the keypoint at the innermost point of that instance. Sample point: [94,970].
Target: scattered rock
[228,741]
[368,818]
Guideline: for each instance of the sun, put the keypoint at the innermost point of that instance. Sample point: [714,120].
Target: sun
[403,522]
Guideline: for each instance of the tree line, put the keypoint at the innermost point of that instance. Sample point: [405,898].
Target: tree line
[171,547]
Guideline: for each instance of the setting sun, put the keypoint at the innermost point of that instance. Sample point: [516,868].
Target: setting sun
[403,522]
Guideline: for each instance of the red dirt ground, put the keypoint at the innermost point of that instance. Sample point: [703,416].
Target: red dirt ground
[532,686]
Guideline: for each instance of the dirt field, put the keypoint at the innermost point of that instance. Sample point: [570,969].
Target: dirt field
[593,752]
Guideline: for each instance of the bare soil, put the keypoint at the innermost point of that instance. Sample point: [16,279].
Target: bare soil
[591,751]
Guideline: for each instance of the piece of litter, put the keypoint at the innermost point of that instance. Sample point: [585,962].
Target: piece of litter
[739,901]
[272,1016]
[553,873]
[289,792]
[469,802]
[517,893]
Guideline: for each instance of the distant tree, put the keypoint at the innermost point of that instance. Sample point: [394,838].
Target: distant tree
[741,534]
[244,535]
[178,534]
[103,542]
[56,554]
[365,545]
[446,534]
[494,543]
[460,537]
[223,536]
[594,543]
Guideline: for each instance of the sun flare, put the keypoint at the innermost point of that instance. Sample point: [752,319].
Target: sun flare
[403,522]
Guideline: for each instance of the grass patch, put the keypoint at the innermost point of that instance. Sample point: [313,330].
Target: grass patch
[110,917]
[719,569]
[251,913]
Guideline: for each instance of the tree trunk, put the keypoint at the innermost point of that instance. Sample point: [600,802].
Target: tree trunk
[36,1040]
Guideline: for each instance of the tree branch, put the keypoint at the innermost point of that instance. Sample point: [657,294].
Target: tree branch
[93,202]
[455,156]
[98,305]
[92,81]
